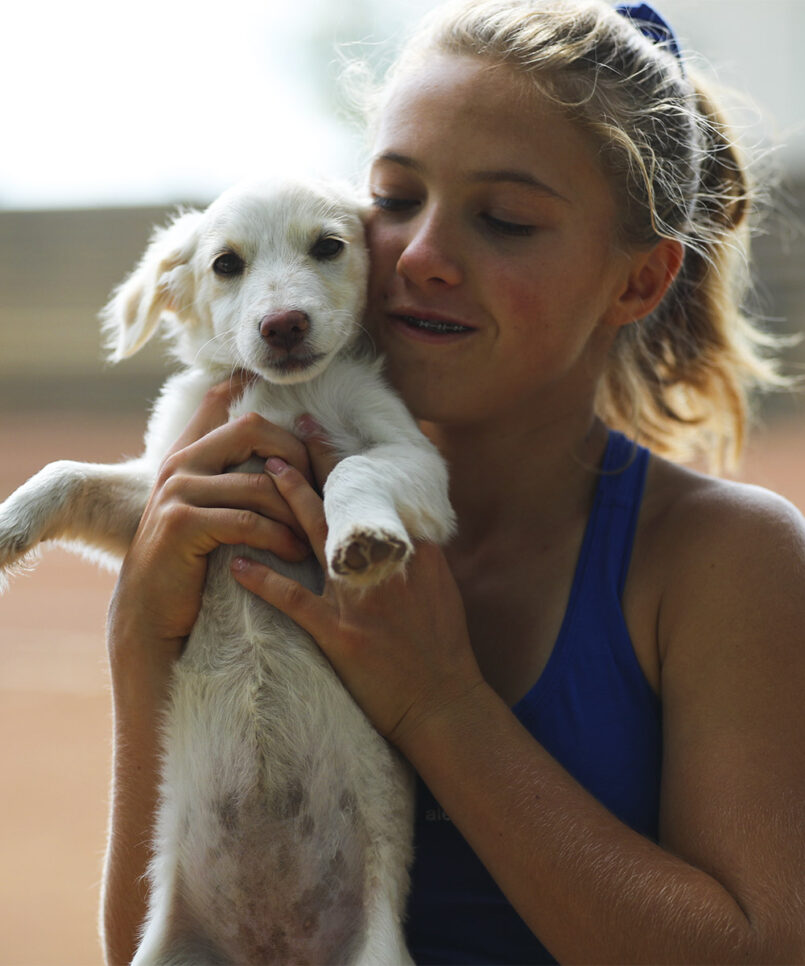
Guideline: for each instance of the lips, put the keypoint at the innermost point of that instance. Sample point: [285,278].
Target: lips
[428,323]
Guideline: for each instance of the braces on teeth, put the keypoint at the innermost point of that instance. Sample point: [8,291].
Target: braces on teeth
[435,326]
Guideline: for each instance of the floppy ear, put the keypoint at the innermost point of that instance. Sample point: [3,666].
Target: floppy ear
[162,282]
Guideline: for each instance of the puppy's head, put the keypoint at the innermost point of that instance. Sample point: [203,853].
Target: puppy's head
[270,278]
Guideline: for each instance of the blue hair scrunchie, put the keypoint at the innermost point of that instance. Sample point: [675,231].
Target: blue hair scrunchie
[652,25]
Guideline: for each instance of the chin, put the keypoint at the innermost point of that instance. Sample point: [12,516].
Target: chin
[429,404]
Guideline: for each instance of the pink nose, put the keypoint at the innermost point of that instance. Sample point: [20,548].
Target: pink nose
[284,330]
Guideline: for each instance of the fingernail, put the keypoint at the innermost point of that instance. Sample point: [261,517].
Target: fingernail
[306,425]
[275,466]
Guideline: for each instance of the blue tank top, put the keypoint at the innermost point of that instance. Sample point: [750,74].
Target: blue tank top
[592,709]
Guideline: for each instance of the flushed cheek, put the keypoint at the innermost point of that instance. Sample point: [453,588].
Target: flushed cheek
[546,333]
[522,311]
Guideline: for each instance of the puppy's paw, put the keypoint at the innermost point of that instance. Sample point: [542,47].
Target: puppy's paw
[18,553]
[367,556]
[17,538]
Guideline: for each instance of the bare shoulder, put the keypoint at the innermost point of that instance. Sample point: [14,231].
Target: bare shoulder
[677,496]
[695,526]
[731,610]
[713,559]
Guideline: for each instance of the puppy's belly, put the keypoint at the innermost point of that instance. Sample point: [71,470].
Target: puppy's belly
[263,759]
[267,889]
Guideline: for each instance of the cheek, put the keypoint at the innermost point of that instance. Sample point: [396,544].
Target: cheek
[556,294]
[384,248]
[340,299]
[542,320]
[522,303]
[221,302]
[229,320]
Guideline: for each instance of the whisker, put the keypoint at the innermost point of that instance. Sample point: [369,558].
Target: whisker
[228,348]
[369,337]
[214,338]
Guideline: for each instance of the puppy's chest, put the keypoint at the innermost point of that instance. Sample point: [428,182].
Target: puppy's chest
[334,399]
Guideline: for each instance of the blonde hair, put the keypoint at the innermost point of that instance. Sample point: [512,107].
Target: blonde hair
[679,380]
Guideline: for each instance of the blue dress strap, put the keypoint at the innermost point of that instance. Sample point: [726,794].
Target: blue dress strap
[621,486]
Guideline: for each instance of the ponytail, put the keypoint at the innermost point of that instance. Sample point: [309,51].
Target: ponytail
[680,381]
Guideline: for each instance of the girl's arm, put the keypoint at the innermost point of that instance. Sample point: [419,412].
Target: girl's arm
[728,880]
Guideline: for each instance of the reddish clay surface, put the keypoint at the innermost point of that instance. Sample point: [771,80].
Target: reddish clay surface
[54,706]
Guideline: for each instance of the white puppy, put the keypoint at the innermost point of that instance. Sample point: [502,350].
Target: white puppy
[284,831]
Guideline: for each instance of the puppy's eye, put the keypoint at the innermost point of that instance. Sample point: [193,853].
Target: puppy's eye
[327,247]
[228,264]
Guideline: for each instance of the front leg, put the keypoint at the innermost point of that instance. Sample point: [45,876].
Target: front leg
[96,505]
[377,502]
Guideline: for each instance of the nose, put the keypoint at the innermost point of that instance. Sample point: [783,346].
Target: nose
[430,255]
[284,330]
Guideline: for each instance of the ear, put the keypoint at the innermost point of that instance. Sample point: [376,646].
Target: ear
[650,274]
[161,282]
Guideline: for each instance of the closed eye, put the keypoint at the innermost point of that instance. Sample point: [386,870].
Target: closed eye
[385,203]
[512,228]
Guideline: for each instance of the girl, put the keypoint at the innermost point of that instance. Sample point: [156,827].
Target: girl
[599,681]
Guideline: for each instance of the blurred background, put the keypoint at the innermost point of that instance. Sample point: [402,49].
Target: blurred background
[113,114]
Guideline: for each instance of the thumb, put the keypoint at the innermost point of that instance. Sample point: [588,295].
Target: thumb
[322,453]
[308,610]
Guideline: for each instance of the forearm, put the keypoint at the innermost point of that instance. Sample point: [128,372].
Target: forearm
[592,889]
[139,694]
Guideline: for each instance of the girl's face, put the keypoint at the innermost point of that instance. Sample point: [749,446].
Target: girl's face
[494,268]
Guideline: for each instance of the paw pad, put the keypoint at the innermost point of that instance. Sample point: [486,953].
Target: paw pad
[369,555]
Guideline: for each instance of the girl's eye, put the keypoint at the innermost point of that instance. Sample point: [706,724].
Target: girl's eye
[507,227]
[384,203]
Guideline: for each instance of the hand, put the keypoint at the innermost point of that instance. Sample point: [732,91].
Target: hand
[194,507]
[402,648]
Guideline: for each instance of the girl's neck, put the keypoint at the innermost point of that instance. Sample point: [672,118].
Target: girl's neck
[516,479]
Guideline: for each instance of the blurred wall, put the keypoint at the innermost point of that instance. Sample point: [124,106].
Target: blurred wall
[57,269]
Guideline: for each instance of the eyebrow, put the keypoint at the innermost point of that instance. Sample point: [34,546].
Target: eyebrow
[493,175]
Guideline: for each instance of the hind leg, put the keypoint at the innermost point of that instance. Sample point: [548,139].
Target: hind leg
[152,950]
[179,951]
[390,817]
[161,924]
[385,941]
[171,938]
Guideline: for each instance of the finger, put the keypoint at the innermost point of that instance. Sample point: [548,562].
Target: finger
[322,453]
[214,408]
[199,530]
[236,491]
[235,442]
[300,604]
[305,503]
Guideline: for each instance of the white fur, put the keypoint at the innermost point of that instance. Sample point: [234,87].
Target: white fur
[284,832]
